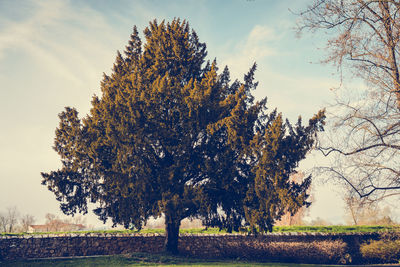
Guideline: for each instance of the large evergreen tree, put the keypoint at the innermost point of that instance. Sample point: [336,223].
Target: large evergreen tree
[171,136]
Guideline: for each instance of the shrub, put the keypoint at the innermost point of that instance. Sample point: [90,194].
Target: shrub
[327,251]
[320,252]
[384,251]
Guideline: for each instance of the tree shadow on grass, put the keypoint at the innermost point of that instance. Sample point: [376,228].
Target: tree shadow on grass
[141,259]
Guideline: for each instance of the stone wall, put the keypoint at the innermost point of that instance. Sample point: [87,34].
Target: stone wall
[289,247]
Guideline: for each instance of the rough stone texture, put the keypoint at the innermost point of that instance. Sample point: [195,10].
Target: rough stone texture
[289,247]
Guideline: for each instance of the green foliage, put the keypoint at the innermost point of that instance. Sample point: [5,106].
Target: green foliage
[338,229]
[385,251]
[171,136]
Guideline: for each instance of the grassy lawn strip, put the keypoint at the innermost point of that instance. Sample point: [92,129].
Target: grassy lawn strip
[338,228]
[139,259]
[276,229]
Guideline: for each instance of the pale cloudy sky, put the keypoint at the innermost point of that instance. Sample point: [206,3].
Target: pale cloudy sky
[53,54]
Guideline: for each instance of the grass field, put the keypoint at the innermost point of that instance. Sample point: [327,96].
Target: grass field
[140,259]
[277,229]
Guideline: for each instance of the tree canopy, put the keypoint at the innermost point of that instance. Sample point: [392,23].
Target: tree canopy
[170,136]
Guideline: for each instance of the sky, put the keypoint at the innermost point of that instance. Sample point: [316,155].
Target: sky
[53,54]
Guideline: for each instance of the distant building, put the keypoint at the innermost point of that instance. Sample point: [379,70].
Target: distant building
[56,226]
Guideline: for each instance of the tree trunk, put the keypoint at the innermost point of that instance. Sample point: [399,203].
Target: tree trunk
[171,234]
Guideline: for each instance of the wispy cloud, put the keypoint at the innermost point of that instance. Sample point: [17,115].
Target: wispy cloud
[18,34]
[255,47]
[55,54]
[292,92]
[61,38]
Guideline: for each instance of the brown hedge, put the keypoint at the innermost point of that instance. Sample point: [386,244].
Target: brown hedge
[327,251]
[382,251]
[316,251]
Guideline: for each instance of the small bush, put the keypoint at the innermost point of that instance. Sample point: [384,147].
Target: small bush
[319,252]
[328,251]
[384,251]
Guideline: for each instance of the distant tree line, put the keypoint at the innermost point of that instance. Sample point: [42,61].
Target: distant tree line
[12,221]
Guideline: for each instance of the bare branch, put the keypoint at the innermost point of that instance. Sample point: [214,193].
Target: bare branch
[363,142]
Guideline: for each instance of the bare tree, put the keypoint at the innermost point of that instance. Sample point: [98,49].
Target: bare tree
[12,214]
[54,223]
[9,220]
[353,208]
[361,211]
[77,219]
[365,142]
[50,217]
[295,219]
[3,222]
[26,221]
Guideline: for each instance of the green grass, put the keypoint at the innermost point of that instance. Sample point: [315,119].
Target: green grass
[139,259]
[338,229]
[277,229]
